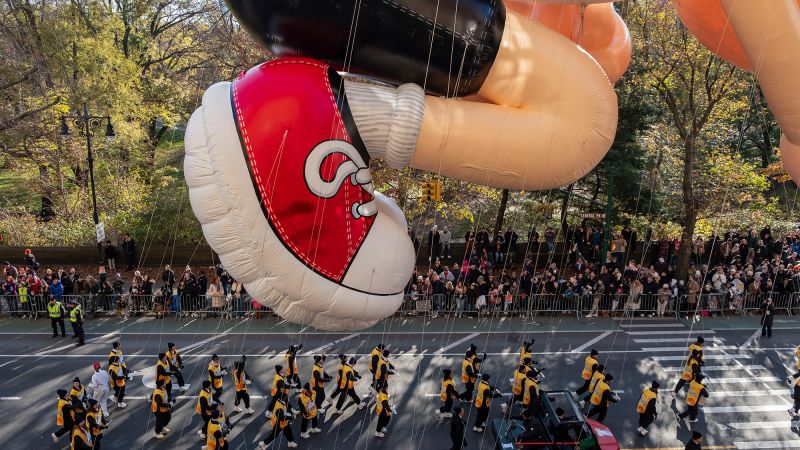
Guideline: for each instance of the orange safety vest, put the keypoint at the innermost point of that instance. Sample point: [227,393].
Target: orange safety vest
[166,378]
[309,404]
[597,376]
[207,395]
[526,392]
[693,397]
[59,411]
[587,367]
[279,406]
[79,433]
[239,380]
[278,377]
[480,397]
[379,407]
[465,378]
[644,400]
[524,354]
[96,431]
[215,376]
[320,371]
[519,379]
[599,390]
[213,443]
[445,383]
[115,370]
[346,370]
[154,407]
[688,370]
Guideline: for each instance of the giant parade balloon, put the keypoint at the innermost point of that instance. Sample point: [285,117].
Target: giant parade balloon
[762,37]
[277,160]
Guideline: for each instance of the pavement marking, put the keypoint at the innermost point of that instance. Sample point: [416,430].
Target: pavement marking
[53,350]
[739,380]
[670,332]
[331,344]
[591,342]
[100,338]
[190,347]
[504,394]
[10,398]
[764,425]
[187,323]
[705,357]
[751,340]
[686,340]
[715,368]
[683,349]
[744,409]
[766,444]
[761,393]
[458,342]
[652,325]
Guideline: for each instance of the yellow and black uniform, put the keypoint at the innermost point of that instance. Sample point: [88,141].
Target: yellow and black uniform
[690,369]
[646,407]
[339,391]
[469,375]
[694,398]
[601,398]
[55,310]
[448,394]
[796,375]
[590,365]
[318,380]
[117,374]
[164,375]
[240,380]
[290,357]
[382,375]
[524,352]
[78,398]
[161,408]
[203,406]
[216,437]
[280,423]
[530,391]
[81,439]
[215,373]
[175,364]
[64,419]
[307,401]
[383,409]
[697,346]
[483,401]
[278,387]
[347,385]
[94,422]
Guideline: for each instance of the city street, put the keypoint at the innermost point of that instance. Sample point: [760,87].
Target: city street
[746,410]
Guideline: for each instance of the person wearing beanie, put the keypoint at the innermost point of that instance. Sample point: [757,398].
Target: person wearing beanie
[176,365]
[279,387]
[384,411]
[601,398]
[240,382]
[95,423]
[470,368]
[520,375]
[279,419]
[56,312]
[292,377]
[347,385]
[215,374]
[164,374]
[447,395]
[161,407]
[646,407]
[63,415]
[75,316]
[81,437]
[694,399]
[589,367]
[78,397]
[116,350]
[695,442]
[307,401]
[118,380]
[698,345]
[203,407]
[318,380]
[458,429]
[375,356]
[483,401]
[100,385]
[530,392]
[690,370]
[338,392]
[525,351]
[218,428]
[599,374]
[381,377]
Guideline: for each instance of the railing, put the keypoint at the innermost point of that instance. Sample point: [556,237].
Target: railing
[527,306]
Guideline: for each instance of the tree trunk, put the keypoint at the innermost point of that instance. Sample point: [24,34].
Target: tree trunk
[593,202]
[564,206]
[46,212]
[501,213]
[689,209]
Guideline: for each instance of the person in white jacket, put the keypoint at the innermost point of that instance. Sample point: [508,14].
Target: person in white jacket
[444,242]
[99,387]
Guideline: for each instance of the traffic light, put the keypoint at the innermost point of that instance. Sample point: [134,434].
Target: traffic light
[432,191]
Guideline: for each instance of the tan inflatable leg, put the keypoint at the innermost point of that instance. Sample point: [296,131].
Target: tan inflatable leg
[552,117]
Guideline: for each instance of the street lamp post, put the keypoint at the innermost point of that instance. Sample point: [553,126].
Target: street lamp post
[88,123]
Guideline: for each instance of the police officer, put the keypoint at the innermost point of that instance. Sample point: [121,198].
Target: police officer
[215,374]
[95,423]
[240,382]
[694,398]
[601,398]
[76,320]
[318,380]
[279,387]
[118,380]
[307,401]
[646,407]
[63,415]
[590,365]
[203,407]
[175,365]
[690,370]
[447,395]
[55,310]
[162,408]
[279,419]
[347,385]
[292,377]
[384,411]
[483,401]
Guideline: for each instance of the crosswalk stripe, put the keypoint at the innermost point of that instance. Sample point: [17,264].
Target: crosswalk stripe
[715,368]
[744,408]
[687,341]
[739,380]
[766,444]
[764,425]
[682,349]
[671,332]
[652,325]
[764,392]
[705,357]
